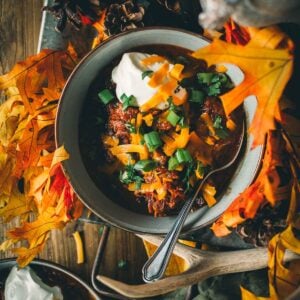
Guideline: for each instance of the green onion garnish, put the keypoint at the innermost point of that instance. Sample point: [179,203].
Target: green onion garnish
[221,132]
[196,96]
[128,101]
[130,127]
[172,163]
[205,77]
[145,165]
[218,122]
[173,118]
[106,96]
[183,156]
[152,140]
[147,73]
[129,175]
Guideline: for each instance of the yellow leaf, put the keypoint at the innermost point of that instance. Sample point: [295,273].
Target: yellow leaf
[17,206]
[266,71]
[247,295]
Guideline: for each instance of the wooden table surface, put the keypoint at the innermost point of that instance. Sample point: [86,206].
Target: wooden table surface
[19,32]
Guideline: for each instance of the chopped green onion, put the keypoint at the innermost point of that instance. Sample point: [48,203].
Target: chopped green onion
[128,101]
[152,140]
[218,122]
[173,118]
[130,128]
[145,165]
[196,96]
[172,163]
[106,96]
[183,156]
[147,73]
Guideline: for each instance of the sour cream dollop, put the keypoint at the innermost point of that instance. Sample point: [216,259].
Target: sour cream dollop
[24,284]
[127,76]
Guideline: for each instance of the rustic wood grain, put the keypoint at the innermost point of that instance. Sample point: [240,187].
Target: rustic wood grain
[19,32]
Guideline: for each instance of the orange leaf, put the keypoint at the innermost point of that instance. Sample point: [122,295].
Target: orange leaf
[246,205]
[17,206]
[36,231]
[266,71]
[27,151]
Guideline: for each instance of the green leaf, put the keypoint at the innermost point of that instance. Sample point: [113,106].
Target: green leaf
[221,132]
[147,73]
[196,96]
[129,175]
[205,78]
[218,122]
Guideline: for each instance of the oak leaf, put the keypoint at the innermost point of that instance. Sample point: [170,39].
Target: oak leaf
[28,154]
[266,71]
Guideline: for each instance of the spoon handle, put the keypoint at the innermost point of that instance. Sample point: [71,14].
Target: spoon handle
[155,267]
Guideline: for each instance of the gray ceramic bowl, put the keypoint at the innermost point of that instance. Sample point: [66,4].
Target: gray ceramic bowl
[74,97]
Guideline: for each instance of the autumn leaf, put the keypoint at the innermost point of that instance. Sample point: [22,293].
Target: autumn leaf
[25,255]
[283,279]
[266,71]
[28,154]
[17,205]
[34,232]
[247,295]
[266,188]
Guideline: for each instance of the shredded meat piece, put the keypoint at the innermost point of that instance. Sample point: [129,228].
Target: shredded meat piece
[213,107]
[175,192]
[117,119]
[162,125]
[160,157]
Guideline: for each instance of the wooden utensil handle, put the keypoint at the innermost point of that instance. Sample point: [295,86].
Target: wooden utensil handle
[210,264]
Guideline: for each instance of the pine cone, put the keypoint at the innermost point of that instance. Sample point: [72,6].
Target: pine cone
[75,12]
[268,222]
[122,16]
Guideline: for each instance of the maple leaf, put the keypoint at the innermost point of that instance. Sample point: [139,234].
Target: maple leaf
[17,205]
[266,71]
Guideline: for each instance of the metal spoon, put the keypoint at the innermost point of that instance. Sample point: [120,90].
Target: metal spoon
[156,265]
